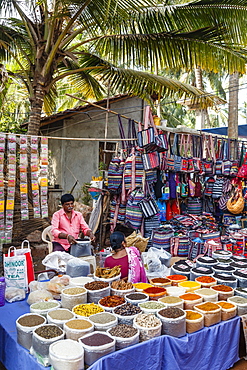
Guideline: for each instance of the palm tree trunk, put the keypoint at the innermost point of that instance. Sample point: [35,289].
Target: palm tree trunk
[233,106]
[201,114]
[36,109]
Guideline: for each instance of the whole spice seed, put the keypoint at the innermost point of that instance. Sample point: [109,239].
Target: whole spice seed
[208,306]
[103,318]
[87,309]
[127,309]
[225,305]
[31,320]
[49,331]
[96,285]
[152,305]
[112,301]
[74,291]
[136,296]
[78,324]
[193,315]
[44,305]
[121,285]
[205,279]
[155,290]
[123,331]
[147,320]
[222,288]
[171,312]
[190,296]
[170,299]
[96,340]
[61,314]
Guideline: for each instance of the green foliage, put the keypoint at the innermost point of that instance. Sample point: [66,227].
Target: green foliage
[84,195]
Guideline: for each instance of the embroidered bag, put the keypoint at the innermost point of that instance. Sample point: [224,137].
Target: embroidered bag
[176,154]
[180,246]
[133,212]
[218,188]
[150,160]
[170,156]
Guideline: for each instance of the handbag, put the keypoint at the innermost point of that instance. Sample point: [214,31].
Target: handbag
[242,172]
[133,171]
[115,174]
[170,156]
[194,206]
[149,138]
[218,188]
[235,204]
[134,216]
[176,154]
[197,153]
[208,152]
[150,160]
[219,159]
[227,164]
[161,238]
[148,206]
[180,246]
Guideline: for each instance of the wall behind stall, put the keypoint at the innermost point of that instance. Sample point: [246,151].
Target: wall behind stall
[73,160]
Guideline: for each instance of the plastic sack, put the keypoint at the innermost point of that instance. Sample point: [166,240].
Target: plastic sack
[39,295]
[57,261]
[151,259]
[14,294]
[164,256]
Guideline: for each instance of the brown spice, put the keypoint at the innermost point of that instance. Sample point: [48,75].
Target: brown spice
[112,301]
[222,288]
[96,285]
[79,324]
[160,281]
[31,320]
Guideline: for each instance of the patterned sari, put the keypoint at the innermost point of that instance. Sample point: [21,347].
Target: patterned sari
[136,269]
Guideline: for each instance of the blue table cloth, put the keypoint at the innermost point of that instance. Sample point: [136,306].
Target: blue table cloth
[212,348]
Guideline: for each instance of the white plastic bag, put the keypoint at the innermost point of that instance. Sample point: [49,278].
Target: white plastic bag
[57,261]
[39,295]
[14,294]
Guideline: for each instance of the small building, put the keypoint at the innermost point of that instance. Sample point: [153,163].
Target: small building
[74,162]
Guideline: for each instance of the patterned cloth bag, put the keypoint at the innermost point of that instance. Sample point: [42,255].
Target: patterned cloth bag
[161,238]
[133,171]
[115,174]
[134,214]
[180,246]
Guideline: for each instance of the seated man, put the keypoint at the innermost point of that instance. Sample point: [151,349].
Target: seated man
[67,224]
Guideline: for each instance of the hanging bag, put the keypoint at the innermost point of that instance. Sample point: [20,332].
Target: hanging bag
[235,161]
[242,172]
[170,156]
[134,214]
[148,205]
[176,154]
[15,269]
[180,246]
[208,155]
[227,164]
[235,204]
[150,160]
[133,171]
[219,160]
[197,153]
[183,151]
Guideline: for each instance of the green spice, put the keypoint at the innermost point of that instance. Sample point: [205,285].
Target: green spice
[44,305]
[151,305]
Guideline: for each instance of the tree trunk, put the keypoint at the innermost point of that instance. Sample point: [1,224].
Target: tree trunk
[36,109]
[201,114]
[233,106]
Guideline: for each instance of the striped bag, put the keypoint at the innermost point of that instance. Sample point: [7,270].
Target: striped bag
[115,174]
[194,206]
[180,246]
[150,224]
[117,211]
[133,171]
[161,238]
[148,207]
[218,188]
[150,160]
[134,214]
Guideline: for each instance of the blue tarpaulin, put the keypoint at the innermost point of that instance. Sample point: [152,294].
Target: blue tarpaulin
[242,130]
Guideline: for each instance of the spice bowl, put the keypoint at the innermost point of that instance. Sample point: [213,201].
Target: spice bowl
[155,292]
[175,291]
[190,286]
[206,281]
[172,301]
[42,308]
[175,279]
[72,296]
[228,310]
[224,291]
[241,304]
[135,298]
[25,325]
[103,321]
[96,345]
[109,280]
[160,282]
[149,326]
[80,281]
[59,316]
[151,306]
[110,302]
[77,328]
[211,312]
[194,321]
[124,335]
[97,290]
[121,288]
[208,295]
[43,337]
[139,287]
[190,300]
[66,354]
[173,321]
[86,310]
[126,313]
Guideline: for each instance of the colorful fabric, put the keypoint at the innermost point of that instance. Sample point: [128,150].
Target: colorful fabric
[137,271]
[111,262]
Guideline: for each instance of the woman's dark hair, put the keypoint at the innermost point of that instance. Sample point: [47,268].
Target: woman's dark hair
[67,198]
[116,240]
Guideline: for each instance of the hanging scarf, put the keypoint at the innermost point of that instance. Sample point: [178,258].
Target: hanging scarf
[136,269]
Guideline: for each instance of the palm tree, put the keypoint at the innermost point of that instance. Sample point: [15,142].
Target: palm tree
[86,41]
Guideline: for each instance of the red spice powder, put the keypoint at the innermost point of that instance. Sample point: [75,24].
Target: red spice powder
[154,290]
[177,277]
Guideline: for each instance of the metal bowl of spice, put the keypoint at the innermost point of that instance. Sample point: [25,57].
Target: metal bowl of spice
[25,326]
[109,302]
[77,328]
[125,335]
[43,308]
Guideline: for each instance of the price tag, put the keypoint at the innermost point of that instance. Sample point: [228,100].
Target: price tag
[2,206]
[10,204]
[23,188]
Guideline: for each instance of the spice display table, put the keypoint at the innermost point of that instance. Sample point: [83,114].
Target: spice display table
[215,347]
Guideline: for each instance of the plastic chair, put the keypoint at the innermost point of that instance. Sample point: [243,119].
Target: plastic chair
[47,238]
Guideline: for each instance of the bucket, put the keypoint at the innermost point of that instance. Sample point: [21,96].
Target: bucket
[66,355]
[81,248]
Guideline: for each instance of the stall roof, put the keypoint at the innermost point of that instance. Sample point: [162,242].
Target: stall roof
[242,130]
